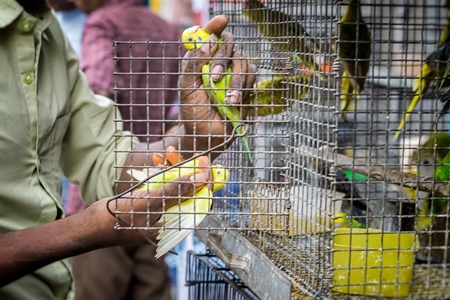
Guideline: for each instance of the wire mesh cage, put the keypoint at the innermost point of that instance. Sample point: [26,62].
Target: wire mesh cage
[209,278]
[330,191]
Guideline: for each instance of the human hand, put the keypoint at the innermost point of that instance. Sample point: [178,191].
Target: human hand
[142,208]
[195,102]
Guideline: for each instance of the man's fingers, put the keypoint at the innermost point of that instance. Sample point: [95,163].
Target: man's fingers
[173,156]
[158,159]
[238,78]
[216,25]
[221,59]
[203,161]
[239,69]
[249,82]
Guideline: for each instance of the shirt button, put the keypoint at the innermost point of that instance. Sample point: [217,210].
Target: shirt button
[28,78]
[26,25]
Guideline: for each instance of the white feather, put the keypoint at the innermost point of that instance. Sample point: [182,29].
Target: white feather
[171,237]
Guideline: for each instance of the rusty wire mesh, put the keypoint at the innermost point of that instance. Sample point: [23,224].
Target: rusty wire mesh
[310,164]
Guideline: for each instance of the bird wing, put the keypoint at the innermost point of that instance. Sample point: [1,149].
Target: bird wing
[182,219]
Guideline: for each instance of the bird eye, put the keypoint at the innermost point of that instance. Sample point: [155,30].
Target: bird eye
[426,162]
[190,39]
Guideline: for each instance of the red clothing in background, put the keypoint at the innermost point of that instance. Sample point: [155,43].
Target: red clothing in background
[128,20]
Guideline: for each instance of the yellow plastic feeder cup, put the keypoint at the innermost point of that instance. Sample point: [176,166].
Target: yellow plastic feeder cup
[372,262]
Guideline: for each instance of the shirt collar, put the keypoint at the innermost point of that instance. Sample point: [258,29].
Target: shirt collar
[9,11]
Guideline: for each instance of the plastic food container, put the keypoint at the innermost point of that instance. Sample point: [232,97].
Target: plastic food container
[373,262]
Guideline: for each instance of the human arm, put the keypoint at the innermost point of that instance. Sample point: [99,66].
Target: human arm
[26,250]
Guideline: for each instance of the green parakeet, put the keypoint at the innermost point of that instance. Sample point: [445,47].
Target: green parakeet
[192,38]
[445,38]
[430,71]
[433,161]
[269,96]
[445,35]
[342,220]
[354,50]
[286,34]
[180,220]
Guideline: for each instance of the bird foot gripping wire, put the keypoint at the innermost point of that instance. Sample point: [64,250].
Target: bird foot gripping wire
[234,134]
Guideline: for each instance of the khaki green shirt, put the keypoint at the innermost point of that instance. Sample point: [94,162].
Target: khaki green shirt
[49,121]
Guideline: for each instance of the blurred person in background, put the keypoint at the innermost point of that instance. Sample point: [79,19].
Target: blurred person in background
[71,19]
[130,272]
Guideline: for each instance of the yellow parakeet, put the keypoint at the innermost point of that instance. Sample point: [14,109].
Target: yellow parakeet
[179,220]
[192,38]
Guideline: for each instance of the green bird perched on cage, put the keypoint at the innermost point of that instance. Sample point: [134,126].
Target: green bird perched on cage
[179,219]
[354,50]
[270,96]
[445,38]
[433,162]
[288,35]
[430,70]
[342,220]
[194,37]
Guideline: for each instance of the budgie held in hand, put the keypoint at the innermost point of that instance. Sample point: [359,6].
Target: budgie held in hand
[192,38]
[180,220]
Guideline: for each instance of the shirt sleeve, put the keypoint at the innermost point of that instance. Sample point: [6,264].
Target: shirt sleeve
[97,54]
[94,142]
